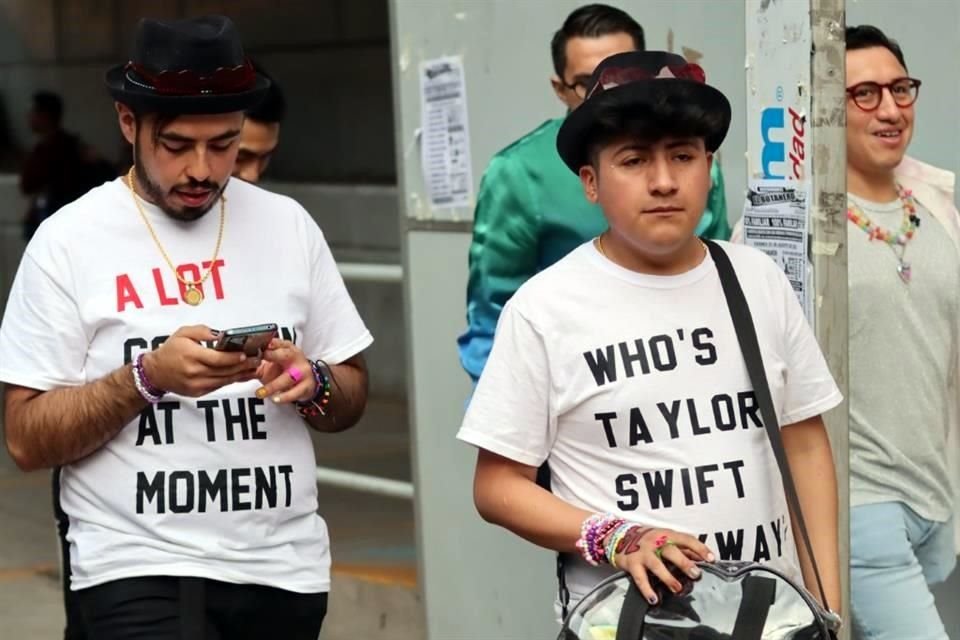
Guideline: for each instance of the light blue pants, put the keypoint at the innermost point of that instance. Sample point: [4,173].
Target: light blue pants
[894,555]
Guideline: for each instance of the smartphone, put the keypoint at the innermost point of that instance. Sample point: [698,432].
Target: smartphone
[251,340]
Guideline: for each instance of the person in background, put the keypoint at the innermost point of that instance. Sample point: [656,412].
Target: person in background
[904,279]
[530,208]
[60,168]
[261,132]
[904,294]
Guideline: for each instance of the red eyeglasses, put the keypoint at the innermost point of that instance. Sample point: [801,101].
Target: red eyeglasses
[616,76]
[189,82]
[868,95]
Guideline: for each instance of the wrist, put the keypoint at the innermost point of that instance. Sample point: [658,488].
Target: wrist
[148,362]
[144,377]
[594,534]
[319,404]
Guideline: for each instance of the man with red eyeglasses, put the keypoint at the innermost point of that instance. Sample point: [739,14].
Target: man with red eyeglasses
[904,300]
[187,470]
[904,275]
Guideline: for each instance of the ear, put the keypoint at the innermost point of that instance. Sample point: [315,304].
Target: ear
[128,122]
[558,88]
[590,181]
[710,160]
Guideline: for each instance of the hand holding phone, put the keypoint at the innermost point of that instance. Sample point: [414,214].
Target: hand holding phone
[185,366]
[251,340]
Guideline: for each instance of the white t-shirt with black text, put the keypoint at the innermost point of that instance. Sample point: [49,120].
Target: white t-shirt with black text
[222,486]
[633,388]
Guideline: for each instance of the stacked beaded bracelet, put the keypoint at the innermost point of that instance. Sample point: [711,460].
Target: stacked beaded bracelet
[593,531]
[318,404]
[614,539]
[150,393]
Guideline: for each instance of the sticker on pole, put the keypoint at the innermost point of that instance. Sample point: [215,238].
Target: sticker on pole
[779,45]
[775,222]
[445,141]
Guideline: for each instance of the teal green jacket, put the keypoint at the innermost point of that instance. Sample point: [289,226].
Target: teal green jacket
[531,212]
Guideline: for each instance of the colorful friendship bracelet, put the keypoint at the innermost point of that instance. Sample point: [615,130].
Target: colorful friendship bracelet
[593,533]
[318,404]
[602,536]
[149,392]
[614,539]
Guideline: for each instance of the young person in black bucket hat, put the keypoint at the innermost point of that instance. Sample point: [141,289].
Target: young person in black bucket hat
[619,366]
[187,470]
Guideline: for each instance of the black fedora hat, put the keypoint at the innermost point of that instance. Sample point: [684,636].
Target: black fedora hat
[638,80]
[194,66]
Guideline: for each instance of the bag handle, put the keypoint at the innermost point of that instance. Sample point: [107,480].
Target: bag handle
[750,348]
[632,614]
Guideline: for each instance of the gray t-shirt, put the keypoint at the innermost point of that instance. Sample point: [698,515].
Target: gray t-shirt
[902,349]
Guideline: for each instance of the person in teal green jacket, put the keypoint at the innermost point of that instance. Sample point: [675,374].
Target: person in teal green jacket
[531,210]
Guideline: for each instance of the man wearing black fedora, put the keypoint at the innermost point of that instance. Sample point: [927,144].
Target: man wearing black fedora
[631,382]
[187,471]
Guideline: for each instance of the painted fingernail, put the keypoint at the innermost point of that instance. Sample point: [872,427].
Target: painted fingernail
[262,393]
[652,600]
[694,572]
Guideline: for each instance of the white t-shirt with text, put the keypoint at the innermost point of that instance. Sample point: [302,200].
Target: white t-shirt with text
[221,486]
[633,388]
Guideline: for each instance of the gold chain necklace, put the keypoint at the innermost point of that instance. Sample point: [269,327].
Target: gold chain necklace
[192,296]
[600,246]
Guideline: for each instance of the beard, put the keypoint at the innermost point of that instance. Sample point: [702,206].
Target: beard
[155,193]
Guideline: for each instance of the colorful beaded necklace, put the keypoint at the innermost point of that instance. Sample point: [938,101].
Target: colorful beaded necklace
[896,241]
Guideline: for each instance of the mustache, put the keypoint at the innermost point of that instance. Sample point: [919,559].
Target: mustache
[197,185]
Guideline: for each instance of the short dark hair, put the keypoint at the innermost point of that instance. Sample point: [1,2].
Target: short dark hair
[273,107]
[160,122]
[593,21]
[666,116]
[48,103]
[867,36]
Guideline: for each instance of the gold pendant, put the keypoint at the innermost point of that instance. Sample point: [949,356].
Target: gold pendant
[192,296]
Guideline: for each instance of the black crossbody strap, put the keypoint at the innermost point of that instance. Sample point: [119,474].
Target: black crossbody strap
[750,347]
[759,594]
[632,614]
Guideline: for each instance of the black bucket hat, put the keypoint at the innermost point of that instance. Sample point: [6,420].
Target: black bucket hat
[633,80]
[194,66]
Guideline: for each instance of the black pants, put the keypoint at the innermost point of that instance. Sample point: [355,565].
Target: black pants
[170,608]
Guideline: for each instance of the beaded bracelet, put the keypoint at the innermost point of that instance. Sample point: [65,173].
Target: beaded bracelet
[613,541]
[318,404]
[150,393]
[593,531]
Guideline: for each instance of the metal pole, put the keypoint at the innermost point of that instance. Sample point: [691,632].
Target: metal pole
[797,148]
[365,483]
[829,248]
[370,272]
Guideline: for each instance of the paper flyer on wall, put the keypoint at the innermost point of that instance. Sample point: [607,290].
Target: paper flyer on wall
[445,139]
[775,222]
